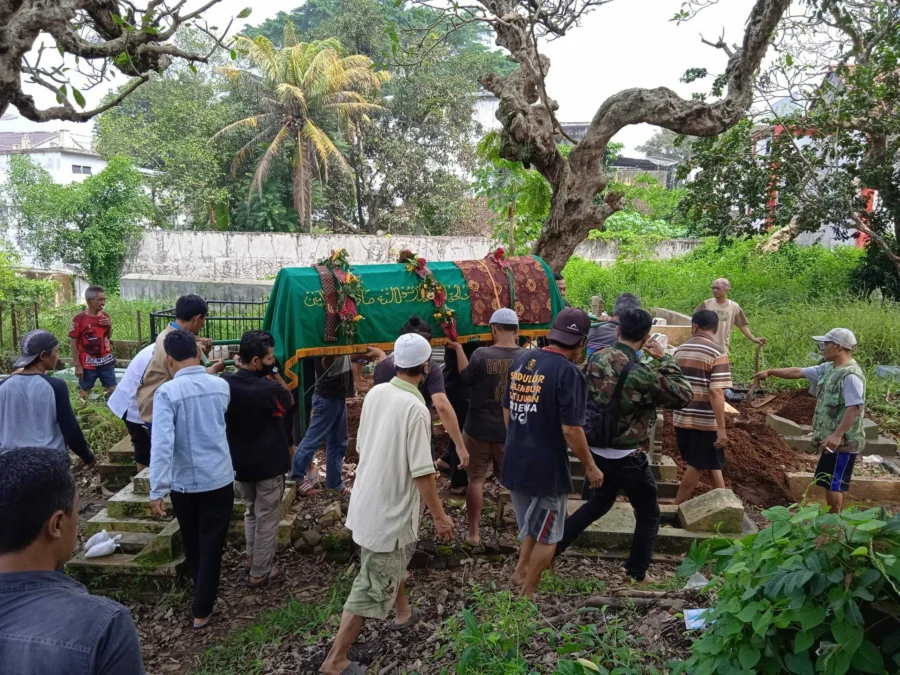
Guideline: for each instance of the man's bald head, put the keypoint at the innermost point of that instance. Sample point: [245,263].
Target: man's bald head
[720,288]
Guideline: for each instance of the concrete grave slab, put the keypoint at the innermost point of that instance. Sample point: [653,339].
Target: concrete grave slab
[715,511]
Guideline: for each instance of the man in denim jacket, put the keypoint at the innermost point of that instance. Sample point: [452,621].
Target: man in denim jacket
[48,622]
[192,464]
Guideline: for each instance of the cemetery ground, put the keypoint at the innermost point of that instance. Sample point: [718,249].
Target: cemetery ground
[474,621]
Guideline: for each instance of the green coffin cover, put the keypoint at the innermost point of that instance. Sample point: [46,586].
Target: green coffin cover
[296,311]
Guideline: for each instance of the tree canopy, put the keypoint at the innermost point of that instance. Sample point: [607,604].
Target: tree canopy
[91,40]
[90,224]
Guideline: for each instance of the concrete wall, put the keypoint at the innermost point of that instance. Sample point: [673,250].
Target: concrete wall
[169,287]
[236,255]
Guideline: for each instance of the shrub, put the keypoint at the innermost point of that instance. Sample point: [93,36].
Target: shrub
[814,592]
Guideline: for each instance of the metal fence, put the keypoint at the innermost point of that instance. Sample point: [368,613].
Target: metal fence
[16,319]
[226,320]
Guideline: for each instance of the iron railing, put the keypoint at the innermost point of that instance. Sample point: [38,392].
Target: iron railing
[226,320]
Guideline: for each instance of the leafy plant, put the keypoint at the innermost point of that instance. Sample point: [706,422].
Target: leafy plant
[814,592]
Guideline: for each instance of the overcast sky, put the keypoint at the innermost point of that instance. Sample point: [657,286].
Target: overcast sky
[627,43]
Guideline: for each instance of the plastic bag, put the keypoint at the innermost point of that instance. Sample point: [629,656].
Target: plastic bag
[104,548]
[98,538]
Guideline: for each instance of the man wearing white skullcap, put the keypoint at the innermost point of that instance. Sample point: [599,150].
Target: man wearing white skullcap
[395,469]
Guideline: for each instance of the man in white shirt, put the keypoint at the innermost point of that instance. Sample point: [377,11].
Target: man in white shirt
[730,315]
[395,468]
[123,402]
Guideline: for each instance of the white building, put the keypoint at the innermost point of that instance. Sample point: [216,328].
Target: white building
[66,156]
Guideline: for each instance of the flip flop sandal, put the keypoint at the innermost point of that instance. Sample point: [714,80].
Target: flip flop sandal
[345,491]
[204,624]
[306,489]
[414,618]
[271,575]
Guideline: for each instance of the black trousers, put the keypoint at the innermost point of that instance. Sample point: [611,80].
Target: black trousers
[140,441]
[632,475]
[203,518]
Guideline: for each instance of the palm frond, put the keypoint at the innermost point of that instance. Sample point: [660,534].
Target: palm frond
[265,162]
[324,148]
[251,122]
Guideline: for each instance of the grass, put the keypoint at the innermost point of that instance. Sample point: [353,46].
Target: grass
[568,586]
[246,651]
[788,297]
[101,427]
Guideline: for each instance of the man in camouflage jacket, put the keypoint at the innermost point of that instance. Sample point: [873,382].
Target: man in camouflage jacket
[624,465]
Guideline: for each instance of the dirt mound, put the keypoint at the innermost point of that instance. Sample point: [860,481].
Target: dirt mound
[755,461]
[799,408]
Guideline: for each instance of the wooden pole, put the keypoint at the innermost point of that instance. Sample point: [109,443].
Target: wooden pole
[139,331]
[36,307]
[15,329]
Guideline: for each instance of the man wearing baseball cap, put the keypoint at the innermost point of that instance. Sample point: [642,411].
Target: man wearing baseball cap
[395,469]
[35,411]
[544,404]
[839,385]
[486,374]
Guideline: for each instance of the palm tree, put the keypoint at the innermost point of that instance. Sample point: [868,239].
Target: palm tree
[303,86]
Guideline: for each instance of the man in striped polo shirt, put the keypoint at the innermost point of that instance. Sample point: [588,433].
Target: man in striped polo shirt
[700,427]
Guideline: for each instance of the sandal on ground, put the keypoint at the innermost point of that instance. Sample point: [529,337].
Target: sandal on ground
[271,575]
[306,488]
[203,625]
[458,491]
[345,491]
[414,617]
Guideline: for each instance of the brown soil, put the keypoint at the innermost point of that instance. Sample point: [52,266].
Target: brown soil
[756,459]
[798,408]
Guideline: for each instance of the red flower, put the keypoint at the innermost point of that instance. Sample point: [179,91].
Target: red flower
[440,297]
[500,252]
[449,328]
[421,262]
[348,309]
[405,255]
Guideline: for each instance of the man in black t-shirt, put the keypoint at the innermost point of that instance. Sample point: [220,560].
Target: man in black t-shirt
[258,443]
[544,405]
[432,389]
[486,373]
[328,423]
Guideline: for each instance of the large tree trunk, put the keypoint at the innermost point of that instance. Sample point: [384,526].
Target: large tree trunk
[530,130]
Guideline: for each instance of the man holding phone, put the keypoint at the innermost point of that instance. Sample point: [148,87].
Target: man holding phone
[839,385]
[700,426]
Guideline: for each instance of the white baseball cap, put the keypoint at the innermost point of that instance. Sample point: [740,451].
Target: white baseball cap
[505,316]
[411,350]
[839,336]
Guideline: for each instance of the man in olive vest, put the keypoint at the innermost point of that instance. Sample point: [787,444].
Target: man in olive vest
[839,386]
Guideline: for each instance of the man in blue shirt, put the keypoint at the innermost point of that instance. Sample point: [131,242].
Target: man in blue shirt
[192,464]
[543,408]
[48,622]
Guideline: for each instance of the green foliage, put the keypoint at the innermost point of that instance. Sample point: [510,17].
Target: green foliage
[814,592]
[15,288]
[101,427]
[92,223]
[492,639]
[667,144]
[298,622]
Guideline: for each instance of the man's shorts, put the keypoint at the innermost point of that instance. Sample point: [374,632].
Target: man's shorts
[140,441]
[834,470]
[483,455]
[375,588]
[106,374]
[541,518]
[698,448]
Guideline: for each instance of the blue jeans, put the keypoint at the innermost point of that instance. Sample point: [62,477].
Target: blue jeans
[328,425]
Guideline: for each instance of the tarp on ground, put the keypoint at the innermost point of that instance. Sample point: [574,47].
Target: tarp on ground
[296,311]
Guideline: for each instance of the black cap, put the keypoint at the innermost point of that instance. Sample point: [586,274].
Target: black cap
[570,328]
[35,343]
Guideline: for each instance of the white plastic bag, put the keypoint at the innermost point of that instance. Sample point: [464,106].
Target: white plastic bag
[104,548]
[98,538]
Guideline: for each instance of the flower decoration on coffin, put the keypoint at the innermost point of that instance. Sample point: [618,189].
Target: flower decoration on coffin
[350,292]
[499,257]
[432,290]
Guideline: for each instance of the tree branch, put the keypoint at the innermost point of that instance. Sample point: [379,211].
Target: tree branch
[67,112]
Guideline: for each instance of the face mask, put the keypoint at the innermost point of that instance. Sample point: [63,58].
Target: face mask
[266,370]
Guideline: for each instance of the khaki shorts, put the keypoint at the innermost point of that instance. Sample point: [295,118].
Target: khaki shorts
[375,588]
[482,455]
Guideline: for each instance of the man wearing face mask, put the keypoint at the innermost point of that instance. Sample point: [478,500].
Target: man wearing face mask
[258,442]
[839,386]
[395,471]
[640,389]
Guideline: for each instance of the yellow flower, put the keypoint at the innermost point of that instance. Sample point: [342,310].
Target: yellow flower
[349,278]
[430,296]
[357,318]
